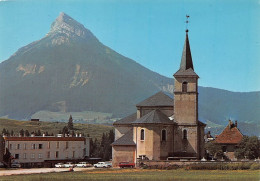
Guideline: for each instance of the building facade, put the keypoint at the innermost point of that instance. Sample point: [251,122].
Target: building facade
[40,151]
[164,128]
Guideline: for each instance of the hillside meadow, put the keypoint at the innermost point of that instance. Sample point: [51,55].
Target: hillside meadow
[141,174]
[94,131]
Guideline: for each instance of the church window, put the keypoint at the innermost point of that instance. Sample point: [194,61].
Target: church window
[185,134]
[142,134]
[184,86]
[163,135]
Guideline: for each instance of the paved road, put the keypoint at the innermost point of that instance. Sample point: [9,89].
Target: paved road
[38,170]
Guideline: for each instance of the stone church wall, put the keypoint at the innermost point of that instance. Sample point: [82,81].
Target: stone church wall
[123,154]
[188,146]
[153,146]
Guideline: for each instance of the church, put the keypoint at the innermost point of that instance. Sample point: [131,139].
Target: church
[164,128]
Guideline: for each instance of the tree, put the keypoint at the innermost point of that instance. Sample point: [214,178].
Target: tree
[73,133]
[248,148]
[7,157]
[22,132]
[26,133]
[70,123]
[214,149]
[38,133]
[12,133]
[4,131]
[65,130]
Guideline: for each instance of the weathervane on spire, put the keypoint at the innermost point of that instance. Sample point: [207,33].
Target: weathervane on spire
[187,21]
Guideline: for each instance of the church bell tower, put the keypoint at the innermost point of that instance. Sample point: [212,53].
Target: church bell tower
[188,133]
[186,89]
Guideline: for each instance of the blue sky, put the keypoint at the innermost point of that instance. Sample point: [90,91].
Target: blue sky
[224,34]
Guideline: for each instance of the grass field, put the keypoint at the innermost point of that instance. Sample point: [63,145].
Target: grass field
[141,174]
[95,131]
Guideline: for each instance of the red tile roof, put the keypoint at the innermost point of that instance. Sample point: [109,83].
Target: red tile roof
[230,135]
[44,138]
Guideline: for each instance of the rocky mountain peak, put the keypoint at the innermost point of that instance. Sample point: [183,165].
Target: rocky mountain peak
[65,25]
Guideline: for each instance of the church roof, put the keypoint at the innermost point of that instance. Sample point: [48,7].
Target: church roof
[186,67]
[186,59]
[154,117]
[201,123]
[158,99]
[127,120]
[230,135]
[126,140]
[188,72]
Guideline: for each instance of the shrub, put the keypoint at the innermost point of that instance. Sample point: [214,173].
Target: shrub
[255,166]
[222,166]
[173,167]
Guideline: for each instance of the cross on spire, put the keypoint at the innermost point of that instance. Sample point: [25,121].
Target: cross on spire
[187,21]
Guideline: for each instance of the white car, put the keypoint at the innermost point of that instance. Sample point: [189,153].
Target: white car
[68,165]
[59,165]
[103,165]
[83,164]
[16,165]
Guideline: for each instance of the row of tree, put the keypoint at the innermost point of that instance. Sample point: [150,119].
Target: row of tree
[24,133]
[102,149]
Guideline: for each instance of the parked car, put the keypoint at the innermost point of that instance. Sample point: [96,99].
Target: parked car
[83,164]
[103,165]
[126,164]
[16,165]
[68,165]
[59,165]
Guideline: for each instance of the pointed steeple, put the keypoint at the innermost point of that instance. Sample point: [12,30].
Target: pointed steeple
[186,59]
[186,66]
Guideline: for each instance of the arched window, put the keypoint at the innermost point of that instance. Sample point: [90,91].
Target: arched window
[184,86]
[142,134]
[163,135]
[185,134]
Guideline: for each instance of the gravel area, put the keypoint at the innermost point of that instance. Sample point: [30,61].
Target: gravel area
[38,170]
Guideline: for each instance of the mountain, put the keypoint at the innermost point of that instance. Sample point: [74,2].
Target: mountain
[70,70]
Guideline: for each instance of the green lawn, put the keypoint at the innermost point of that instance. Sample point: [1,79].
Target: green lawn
[140,174]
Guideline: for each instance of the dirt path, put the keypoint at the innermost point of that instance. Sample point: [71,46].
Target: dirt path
[39,170]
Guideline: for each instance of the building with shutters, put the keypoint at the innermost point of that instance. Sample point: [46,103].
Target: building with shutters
[45,151]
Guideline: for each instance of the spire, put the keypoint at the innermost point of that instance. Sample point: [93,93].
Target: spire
[186,67]
[186,59]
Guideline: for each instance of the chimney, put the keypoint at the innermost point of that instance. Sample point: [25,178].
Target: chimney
[235,123]
[229,124]
[32,135]
[80,135]
[76,134]
[43,135]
